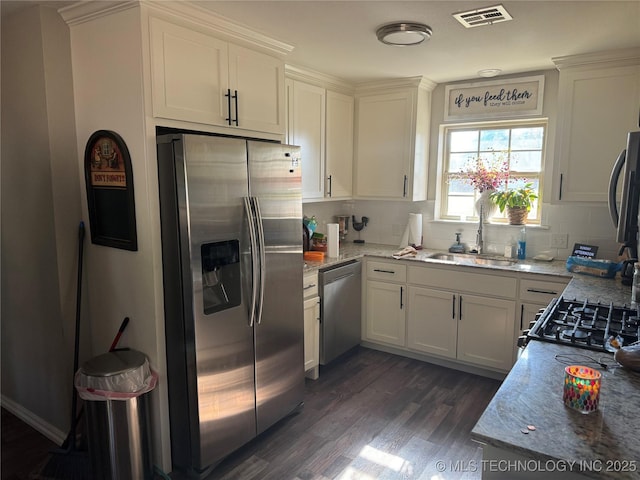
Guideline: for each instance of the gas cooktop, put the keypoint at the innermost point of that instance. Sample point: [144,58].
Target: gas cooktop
[594,326]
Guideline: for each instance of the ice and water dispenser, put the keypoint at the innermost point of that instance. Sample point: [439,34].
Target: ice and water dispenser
[221,281]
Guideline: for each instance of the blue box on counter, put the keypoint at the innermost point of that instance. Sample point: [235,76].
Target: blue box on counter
[596,268]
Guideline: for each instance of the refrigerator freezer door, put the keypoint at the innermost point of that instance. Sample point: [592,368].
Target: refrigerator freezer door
[275,184]
[210,354]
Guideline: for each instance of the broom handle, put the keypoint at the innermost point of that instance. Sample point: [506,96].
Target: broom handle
[124,324]
[76,348]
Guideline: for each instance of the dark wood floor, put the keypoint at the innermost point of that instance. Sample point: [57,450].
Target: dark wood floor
[371,416]
[24,449]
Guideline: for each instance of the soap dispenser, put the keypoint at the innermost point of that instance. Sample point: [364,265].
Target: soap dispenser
[457,247]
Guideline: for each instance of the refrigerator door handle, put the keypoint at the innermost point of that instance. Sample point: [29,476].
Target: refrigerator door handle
[263,260]
[254,267]
[613,183]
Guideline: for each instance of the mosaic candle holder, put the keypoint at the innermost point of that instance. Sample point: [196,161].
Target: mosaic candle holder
[581,388]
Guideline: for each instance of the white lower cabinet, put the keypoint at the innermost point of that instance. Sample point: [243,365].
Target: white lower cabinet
[464,315]
[385,309]
[432,323]
[485,331]
[466,327]
[311,325]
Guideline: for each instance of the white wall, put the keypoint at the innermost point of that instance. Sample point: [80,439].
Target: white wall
[583,223]
[40,218]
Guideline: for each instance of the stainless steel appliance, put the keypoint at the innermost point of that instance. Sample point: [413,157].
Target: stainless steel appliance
[232,266]
[585,324]
[340,309]
[625,219]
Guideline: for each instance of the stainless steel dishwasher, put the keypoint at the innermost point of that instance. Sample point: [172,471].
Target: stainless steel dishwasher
[340,301]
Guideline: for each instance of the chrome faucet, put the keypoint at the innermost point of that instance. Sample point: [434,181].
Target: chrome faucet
[479,241]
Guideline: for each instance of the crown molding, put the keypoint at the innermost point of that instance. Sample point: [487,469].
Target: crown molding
[421,83]
[184,10]
[611,58]
[318,79]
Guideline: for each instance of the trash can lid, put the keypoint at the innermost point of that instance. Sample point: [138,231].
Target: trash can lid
[113,363]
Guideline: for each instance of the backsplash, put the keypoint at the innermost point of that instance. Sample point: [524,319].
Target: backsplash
[387,221]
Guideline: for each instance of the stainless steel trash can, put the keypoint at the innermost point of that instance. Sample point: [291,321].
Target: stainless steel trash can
[115,387]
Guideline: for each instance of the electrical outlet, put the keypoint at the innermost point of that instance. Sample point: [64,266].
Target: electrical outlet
[559,240]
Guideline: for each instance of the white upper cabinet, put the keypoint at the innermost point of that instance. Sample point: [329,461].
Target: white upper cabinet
[339,146]
[321,122]
[199,78]
[392,139]
[598,104]
[307,130]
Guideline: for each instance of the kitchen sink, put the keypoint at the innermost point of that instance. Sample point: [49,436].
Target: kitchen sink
[447,256]
[472,259]
[493,261]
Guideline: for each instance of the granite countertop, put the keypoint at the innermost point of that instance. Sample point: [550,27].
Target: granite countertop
[582,287]
[604,444]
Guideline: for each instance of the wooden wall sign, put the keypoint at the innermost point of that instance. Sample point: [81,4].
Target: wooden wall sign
[497,98]
[109,181]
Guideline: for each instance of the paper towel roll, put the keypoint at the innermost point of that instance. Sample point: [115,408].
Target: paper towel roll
[333,239]
[415,229]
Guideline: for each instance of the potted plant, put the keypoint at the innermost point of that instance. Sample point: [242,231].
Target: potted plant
[517,201]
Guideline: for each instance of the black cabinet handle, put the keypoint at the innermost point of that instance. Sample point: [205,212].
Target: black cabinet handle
[401,291]
[329,193]
[228,95]
[235,96]
[560,193]
[535,290]
[453,307]
[404,187]
[384,271]
[521,315]
[460,307]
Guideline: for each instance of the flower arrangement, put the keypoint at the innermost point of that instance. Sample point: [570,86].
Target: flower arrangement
[483,174]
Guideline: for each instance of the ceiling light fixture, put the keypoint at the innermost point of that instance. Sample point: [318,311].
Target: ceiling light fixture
[404,34]
[489,72]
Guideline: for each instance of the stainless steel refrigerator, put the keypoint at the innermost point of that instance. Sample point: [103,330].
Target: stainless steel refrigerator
[231,212]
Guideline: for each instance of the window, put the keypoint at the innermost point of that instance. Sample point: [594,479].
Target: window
[520,144]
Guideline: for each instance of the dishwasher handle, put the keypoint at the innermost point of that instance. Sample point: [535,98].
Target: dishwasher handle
[335,279]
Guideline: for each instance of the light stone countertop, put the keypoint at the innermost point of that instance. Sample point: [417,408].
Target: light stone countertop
[581,287]
[604,444]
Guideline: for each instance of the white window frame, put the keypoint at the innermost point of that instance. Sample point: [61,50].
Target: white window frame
[442,190]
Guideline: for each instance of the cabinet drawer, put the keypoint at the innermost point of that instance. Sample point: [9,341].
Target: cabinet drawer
[386,271]
[310,285]
[464,281]
[540,291]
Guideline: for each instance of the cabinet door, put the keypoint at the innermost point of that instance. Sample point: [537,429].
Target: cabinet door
[384,145]
[385,317]
[189,74]
[339,145]
[311,333]
[307,111]
[432,324]
[259,80]
[596,110]
[528,312]
[486,331]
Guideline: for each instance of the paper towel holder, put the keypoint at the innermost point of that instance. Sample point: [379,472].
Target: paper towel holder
[359,226]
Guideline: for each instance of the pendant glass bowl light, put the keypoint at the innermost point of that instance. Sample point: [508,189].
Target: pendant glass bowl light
[404,34]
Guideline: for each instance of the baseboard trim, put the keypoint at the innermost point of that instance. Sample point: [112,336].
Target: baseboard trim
[27,416]
[483,372]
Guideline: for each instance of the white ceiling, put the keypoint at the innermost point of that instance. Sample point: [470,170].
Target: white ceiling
[338,37]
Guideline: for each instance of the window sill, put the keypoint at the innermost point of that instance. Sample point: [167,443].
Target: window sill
[468,222]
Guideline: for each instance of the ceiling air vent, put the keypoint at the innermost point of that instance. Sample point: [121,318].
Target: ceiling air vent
[483,16]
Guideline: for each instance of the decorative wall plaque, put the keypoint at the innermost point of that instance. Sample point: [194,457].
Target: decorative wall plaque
[109,181]
[497,98]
